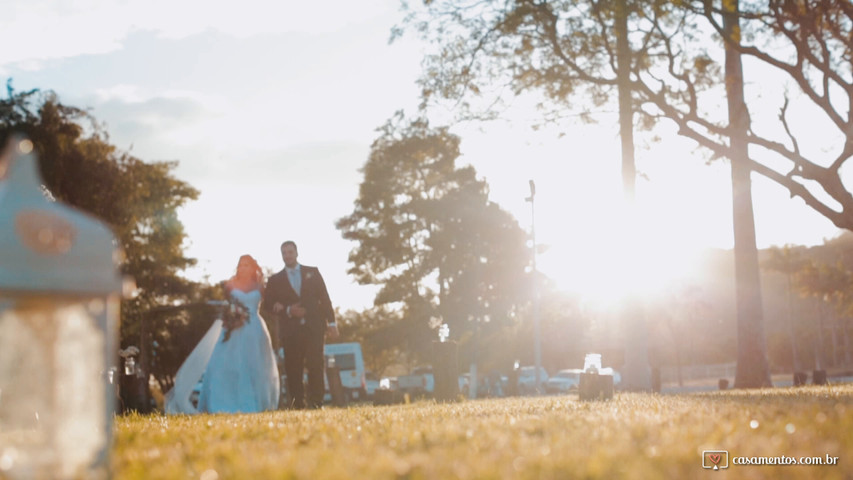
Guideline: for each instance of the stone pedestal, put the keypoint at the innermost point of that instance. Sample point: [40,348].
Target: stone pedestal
[593,386]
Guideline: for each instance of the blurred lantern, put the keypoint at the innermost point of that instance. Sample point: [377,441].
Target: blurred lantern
[130,366]
[129,354]
[592,363]
[443,332]
[594,384]
[59,304]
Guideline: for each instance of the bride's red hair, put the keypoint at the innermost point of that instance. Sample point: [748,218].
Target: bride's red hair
[257,273]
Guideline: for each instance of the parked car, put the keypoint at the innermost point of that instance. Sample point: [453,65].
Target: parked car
[371,383]
[388,383]
[464,383]
[349,361]
[527,379]
[350,364]
[420,382]
[492,384]
[564,381]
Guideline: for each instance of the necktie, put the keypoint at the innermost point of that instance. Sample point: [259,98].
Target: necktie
[295,280]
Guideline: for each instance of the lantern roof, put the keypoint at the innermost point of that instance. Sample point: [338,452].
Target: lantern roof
[47,246]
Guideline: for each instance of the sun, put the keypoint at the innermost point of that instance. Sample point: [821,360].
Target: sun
[634,254]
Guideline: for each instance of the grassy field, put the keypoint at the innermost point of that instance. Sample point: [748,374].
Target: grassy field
[634,435]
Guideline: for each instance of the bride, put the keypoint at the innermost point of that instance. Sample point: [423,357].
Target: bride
[236,364]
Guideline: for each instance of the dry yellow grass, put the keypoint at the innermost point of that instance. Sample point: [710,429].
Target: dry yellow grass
[635,435]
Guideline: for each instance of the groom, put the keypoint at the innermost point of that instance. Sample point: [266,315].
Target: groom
[297,299]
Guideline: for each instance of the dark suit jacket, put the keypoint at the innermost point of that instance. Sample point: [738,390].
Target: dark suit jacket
[314,297]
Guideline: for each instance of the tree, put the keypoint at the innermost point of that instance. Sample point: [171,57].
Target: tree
[636,371]
[815,281]
[566,50]
[565,329]
[828,278]
[829,284]
[557,48]
[813,50]
[138,200]
[809,43]
[428,234]
[752,368]
[682,315]
[788,261]
[379,332]
[560,49]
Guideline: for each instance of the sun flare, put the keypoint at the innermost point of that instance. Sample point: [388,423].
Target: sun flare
[636,254]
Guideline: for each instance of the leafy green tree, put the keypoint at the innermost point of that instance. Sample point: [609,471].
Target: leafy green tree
[428,234]
[138,200]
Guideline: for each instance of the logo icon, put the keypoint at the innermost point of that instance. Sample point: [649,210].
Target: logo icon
[715,459]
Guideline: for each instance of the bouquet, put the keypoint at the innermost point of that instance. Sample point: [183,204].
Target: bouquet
[234,315]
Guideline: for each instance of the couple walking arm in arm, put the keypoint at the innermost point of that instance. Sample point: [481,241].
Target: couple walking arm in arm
[235,360]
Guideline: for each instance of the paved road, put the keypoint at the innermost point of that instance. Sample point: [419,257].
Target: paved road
[711,385]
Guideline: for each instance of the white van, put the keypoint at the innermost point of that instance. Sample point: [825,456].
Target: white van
[350,363]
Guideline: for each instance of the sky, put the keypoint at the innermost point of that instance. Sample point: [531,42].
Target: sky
[270,108]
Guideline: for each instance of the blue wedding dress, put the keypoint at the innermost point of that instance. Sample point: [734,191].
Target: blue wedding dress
[239,375]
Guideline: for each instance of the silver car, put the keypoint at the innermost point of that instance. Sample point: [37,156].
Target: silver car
[564,381]
[527,379]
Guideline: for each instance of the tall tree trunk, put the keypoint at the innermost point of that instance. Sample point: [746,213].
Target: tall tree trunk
[636,372]
[143,373]
[626,109]
[678,363]
[792,333]
[752,369]
[818,351]
[833,330]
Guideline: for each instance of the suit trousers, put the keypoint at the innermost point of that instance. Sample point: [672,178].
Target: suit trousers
[303,350]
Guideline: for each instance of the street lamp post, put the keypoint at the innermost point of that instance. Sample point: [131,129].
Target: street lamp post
[537,335]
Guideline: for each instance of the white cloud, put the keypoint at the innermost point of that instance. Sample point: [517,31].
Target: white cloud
[249,17]
[43,30]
